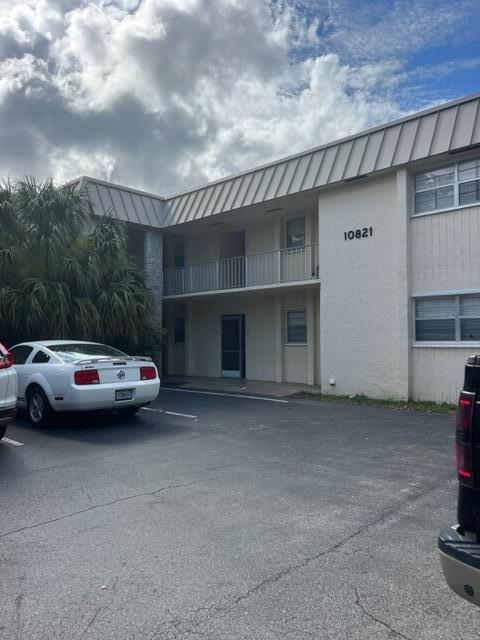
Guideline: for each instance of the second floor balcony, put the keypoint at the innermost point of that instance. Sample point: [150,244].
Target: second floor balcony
[272,268]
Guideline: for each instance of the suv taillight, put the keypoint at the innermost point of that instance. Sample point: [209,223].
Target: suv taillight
[148,373]
[6,358]
[89,376]
[463,437]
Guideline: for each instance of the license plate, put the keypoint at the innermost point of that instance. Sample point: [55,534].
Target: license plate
[124,394]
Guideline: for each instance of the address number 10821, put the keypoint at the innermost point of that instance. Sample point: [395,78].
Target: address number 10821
[356,234]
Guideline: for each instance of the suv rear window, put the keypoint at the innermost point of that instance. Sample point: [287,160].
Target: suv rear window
[75,351]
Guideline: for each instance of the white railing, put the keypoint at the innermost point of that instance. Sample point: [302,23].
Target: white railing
[273,267]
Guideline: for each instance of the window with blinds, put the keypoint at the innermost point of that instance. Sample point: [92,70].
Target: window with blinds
[448,187]
[297,326]
[452,318]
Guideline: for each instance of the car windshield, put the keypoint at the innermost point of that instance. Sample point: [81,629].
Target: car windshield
[78,351]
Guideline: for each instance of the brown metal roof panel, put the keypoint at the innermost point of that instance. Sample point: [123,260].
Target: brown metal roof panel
[288,175]
[423,139]
[263,185]
[299,173]
[313,167]
[356,154]
[387,149]
[444,131]
[278,172]
[464,124]
[341,160]
[405,142]
[370,155]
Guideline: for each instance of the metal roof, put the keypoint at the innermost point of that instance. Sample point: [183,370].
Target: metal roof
[126,204]
[452,126]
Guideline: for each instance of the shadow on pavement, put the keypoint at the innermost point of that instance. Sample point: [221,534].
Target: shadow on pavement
[106,428]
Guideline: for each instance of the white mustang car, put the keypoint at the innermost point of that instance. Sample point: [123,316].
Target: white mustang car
[62,375]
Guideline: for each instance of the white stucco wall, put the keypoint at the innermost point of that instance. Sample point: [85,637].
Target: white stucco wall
[437,372]
[363,301]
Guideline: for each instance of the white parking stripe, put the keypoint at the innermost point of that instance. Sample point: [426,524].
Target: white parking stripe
[170,413]
[228,395]
[14,442]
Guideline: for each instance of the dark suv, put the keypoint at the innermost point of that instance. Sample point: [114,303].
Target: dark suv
[460,545]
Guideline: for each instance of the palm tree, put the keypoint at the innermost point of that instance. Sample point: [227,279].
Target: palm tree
[65,273]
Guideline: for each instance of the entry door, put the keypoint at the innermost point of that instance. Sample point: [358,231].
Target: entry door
[233,346]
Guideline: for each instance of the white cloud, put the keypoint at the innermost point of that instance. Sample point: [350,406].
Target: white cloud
[164,94]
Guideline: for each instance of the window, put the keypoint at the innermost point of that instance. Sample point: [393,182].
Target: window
[453,186]
[296,233]
[297,326]
[179,254]
[21,353]
[179,330]
[469,182]
[452,318]
[41,357]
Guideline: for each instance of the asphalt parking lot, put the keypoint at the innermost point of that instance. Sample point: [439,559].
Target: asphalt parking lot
[213,517]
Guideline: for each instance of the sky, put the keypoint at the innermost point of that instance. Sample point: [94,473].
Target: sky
[163,95]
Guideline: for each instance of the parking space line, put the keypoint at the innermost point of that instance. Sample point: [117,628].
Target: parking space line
[228,395]
[14,442]
[170,413]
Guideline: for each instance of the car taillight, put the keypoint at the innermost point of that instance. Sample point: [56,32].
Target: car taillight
[463,437]
[6,358]
[89,376]
[148,373]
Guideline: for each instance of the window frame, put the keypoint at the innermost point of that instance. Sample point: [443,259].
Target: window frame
[456,191]
[288,342]
[458,317]
[287,234]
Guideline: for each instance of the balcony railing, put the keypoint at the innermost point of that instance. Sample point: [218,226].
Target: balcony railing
[273,267]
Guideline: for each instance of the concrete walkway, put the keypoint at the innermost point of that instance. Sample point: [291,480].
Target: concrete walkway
[238,386]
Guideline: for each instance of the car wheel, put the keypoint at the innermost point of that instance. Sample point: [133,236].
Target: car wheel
[129,411]
[38,408]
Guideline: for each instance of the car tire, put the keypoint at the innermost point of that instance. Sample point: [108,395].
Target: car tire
[129,411]
[39,410]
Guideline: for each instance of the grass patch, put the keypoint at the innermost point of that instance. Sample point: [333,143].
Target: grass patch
[426,407]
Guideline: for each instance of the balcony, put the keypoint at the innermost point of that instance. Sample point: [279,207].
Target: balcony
[273,268]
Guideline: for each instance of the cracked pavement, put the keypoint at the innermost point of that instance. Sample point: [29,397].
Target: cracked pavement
[254,521]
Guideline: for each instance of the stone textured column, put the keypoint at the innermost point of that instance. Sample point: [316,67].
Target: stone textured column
[153,266]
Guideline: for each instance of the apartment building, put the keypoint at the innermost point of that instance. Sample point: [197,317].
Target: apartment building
[354,266]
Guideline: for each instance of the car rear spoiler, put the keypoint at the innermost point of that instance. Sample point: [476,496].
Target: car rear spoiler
[118,361]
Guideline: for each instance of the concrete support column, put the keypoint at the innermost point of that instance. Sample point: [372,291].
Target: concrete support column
[189,338]
[310,337]
[404,301]
[278,329]
[153,267]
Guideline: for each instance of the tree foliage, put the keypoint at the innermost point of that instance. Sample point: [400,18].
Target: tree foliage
[65,273]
